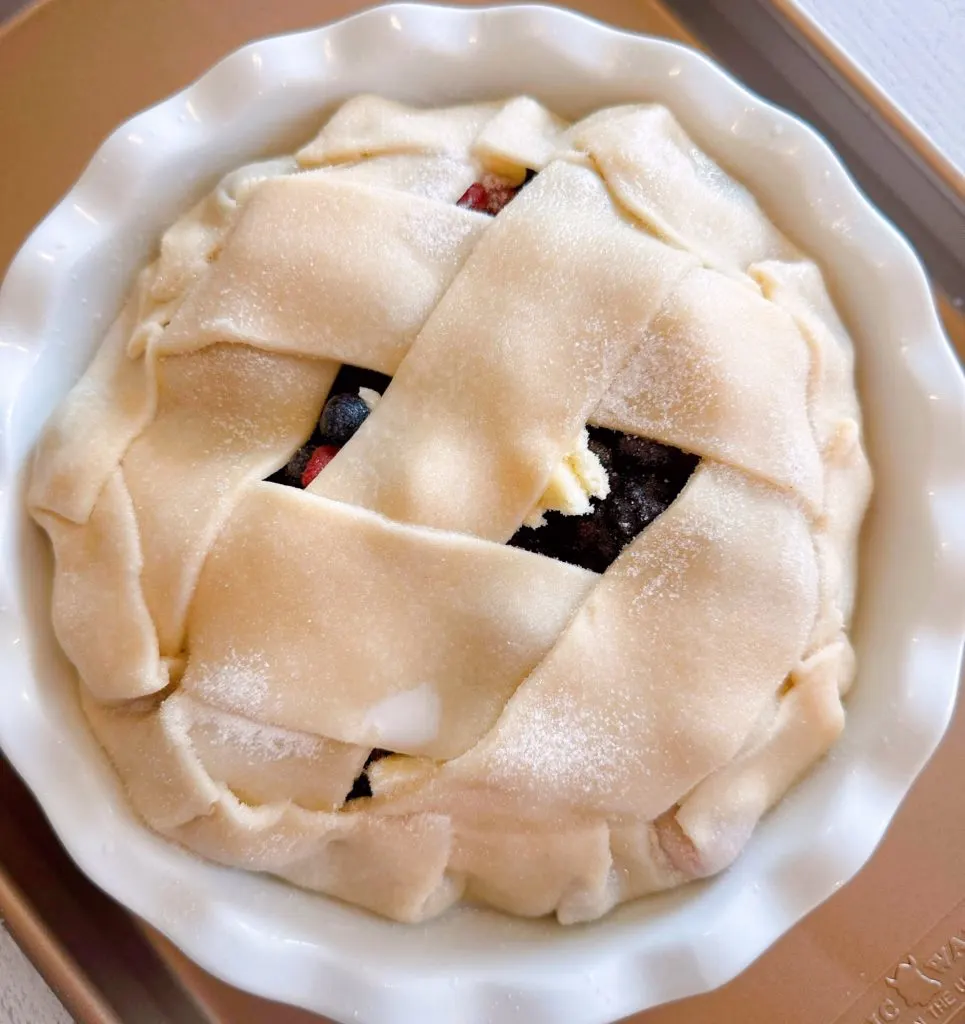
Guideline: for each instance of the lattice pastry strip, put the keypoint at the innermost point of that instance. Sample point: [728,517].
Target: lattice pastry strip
[329,268]
[149,749]
[609,706]
[478,416]
[836,423]
[623,732]
[367,126]
[442,178]
[225,415]
[84,442]
[718,815]
[262,764]
[724,374]
[523,136]
[97,604]
[398,637]
[679,193]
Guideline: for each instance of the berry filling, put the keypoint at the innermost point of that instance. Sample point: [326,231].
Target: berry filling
[490,195]
[361,786]
[319,459]
[342,416]
[344,412]
[644,478]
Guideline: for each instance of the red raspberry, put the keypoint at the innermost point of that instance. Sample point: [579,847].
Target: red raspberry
[321,457]
[500,196]
[476,197]
[488,196]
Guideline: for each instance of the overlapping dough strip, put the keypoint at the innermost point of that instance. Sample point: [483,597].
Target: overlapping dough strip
[368,125]
[368,631]
[836,424]
[482,410]
[397,867]
[679,193]
[643,748]
[225,415]
[97,605]
[93,427]
[650,688]
[324,267]
[724,374]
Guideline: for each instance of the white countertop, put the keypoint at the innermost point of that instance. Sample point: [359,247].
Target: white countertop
[24,996]
[915,51]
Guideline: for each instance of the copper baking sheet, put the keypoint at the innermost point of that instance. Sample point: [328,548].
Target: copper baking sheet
[890,946]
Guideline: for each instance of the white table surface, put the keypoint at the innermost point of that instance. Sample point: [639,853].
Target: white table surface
[24,996]
[914,49]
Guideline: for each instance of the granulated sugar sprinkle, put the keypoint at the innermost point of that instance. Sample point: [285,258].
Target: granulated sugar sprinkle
[240,682]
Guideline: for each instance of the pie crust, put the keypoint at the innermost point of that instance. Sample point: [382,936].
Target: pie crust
[563,740]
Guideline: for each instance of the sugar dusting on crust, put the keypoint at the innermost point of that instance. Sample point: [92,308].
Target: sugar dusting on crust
[240,682]
[562,745]
[438,234]
[256,739]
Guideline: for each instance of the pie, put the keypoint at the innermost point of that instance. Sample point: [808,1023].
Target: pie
[464,507]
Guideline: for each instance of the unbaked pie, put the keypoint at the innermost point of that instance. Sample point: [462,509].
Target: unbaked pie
[466,506]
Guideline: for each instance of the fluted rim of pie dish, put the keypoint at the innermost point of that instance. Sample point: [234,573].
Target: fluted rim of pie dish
[474,966]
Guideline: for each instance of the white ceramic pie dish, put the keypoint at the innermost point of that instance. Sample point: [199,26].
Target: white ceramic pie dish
[475,966]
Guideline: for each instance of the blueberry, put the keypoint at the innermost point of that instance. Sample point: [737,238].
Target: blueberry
[636,505]
[645,454]
[291,474]
[341,417]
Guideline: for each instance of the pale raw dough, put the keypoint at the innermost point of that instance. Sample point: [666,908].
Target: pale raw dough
[389,609]
[492,394]
[578,476]
[562,741]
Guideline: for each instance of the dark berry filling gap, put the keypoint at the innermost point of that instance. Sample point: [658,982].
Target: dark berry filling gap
[361,786]
[645,477]
[343,413]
